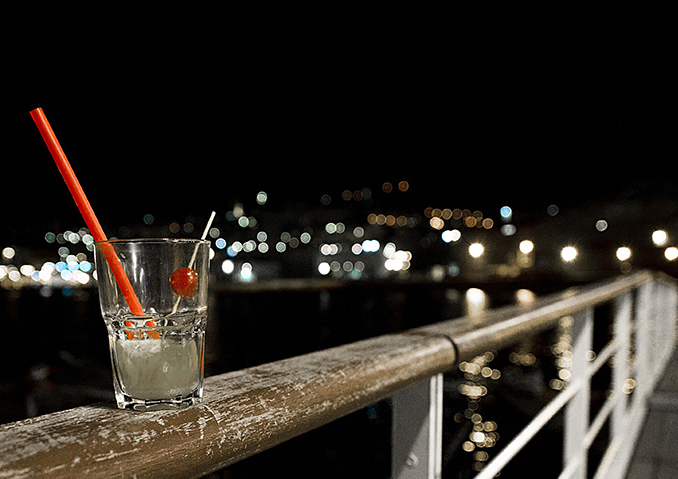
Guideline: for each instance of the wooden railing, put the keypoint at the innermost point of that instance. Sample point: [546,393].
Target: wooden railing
[248,411]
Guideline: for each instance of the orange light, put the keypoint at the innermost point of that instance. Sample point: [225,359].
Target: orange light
[436,223]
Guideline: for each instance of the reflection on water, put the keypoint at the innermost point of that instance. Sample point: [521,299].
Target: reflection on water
[561,351]
[475,302]
[478,434]
[525,296]
[483,434]
[502,390]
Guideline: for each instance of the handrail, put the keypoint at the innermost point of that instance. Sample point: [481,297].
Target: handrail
[248,411]
[502,327]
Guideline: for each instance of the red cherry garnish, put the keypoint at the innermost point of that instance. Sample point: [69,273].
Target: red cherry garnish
[184,282]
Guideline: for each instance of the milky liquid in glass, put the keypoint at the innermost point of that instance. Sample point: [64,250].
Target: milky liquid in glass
[163,364]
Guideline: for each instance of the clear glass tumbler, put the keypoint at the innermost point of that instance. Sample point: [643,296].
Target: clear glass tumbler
[158,358]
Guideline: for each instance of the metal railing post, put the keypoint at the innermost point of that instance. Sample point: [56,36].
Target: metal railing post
[666,322]
[621,371]
[644,347]
[624,422]
[417,430]
[672,314]
[577,409]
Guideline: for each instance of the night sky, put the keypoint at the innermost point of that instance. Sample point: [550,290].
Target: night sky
[187,111]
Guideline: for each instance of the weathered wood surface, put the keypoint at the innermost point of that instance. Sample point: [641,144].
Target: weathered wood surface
[244,412]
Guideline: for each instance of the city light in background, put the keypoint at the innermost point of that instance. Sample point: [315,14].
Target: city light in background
[569,254]
[341,242]
[526,246]
[660,237]
[476,250]
[623,253]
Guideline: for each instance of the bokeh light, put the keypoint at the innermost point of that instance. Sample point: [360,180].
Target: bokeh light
[660,237]
[526,246]
[449,236]
[568,254]
[623,253]
[476,250]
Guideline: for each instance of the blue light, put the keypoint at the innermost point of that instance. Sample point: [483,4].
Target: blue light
[506,212]
[220,243]
[246,274]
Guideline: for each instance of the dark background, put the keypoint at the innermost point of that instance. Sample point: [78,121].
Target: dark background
[180,111]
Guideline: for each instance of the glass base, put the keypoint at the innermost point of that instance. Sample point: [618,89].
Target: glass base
[126,402]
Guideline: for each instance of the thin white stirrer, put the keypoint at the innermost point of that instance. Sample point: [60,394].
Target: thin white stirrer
[195,253]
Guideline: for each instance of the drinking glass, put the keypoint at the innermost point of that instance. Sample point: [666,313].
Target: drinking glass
[157,358]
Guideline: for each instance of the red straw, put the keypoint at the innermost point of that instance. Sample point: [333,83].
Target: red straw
[86,209]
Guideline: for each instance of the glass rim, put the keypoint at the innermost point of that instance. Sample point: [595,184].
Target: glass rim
[153,241]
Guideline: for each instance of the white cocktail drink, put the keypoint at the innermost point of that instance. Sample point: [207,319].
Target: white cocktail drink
[160,363]
[158,368]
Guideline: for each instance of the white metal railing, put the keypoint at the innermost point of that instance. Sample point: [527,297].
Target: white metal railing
[644,315]
[248,411]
